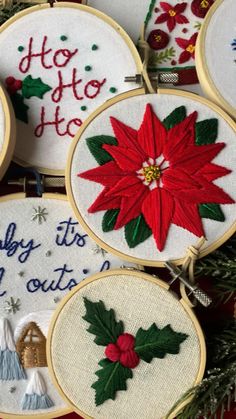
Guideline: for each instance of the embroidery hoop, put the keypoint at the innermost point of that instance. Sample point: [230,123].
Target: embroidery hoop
[92,11]
[203,72]
[57,197]
[93,279]
[10,133]
[72,199]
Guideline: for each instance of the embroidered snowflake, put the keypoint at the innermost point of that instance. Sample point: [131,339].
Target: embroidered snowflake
[98,250]
[39,215]
[12,306]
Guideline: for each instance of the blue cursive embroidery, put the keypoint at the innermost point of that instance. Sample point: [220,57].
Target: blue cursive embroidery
[12,246]
[233,45]
[62,282]
[2,272]
[69,236]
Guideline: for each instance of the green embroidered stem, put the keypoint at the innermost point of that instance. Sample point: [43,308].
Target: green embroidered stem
[162,57]
[149,13]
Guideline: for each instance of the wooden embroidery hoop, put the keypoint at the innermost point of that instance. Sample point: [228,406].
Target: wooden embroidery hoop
[204,75]
[72,200]
[10,133]
[66,410]
[145,277]
[92,11]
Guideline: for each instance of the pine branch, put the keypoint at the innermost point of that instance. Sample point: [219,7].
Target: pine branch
[217,390]
[5,14]
[162,57]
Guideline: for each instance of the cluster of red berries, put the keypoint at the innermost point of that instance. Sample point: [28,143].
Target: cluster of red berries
[123,351]
[13,85]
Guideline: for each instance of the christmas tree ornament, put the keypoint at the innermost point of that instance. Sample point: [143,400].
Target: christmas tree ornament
[58,73]
[150,174]
[211,62]
[7,131]
[44,253]
[171,30]
[138,347]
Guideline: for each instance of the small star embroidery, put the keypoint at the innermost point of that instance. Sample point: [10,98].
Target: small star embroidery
[98,250]
[40,215]
[12,306]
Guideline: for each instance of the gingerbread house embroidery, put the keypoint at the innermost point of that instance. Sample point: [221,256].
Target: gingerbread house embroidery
[31,347]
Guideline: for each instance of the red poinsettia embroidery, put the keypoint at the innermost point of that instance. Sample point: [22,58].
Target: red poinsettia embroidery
[189,46]
[201,7]
[172,14]
[160,174]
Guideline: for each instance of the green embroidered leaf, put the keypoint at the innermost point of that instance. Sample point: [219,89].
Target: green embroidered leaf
[34,87]
[156,343]
[177,116]
[137,231]
[111,378]
[103,323]
[212,211]
[95,146]
[162,57]
[109,220]
[20,107]
[206,131]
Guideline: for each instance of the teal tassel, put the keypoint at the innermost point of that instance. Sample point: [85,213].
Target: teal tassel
[36,402]
[10,366]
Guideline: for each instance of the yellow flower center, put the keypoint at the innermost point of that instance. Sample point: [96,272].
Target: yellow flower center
[157,38]
[172,13]
[190,48]
[204,4]
[151,173]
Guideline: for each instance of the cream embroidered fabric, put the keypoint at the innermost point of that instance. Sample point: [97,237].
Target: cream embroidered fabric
[155,387]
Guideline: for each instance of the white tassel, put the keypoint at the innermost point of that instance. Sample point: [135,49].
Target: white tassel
[36,397]
[10,366]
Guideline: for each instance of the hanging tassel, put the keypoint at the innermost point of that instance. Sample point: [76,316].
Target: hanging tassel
[10,366]
[36,396]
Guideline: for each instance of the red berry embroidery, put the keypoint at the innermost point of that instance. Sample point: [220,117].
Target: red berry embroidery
[158,39]
[13,85]
[10,80]
[123,351]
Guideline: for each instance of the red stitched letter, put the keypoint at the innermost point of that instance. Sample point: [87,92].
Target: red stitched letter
[96,85]
[25,62]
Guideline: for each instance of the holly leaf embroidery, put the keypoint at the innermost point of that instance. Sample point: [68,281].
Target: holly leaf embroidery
[156,343]
[137,231]
[177,116]
[103,323]
[20,108]
[111,378]
[34,87]
[95,145]
[211,211]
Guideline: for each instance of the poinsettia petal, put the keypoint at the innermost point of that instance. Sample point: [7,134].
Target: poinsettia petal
[158,209]
[104,202]
[187,216]
[165,6]
[125,135]
[183,43]
[212,171]
[209,193]
[184,56]
[151,134]
[193,38]
[180,8]
[162,18]
[108,174]
[171,23]
[179,137]
[126,186]
[195,157]
[177,179]
[181,19]
[127,159]
[130,207]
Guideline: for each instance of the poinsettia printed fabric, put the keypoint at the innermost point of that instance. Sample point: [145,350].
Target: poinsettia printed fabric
[160,173]
[171,31]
